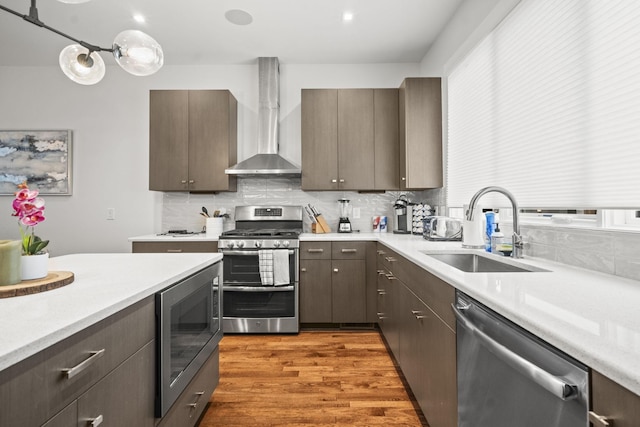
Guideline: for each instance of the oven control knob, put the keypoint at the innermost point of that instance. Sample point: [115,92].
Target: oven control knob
[241,244]
[231,244]
[276,244]
[258,244]
[285,244]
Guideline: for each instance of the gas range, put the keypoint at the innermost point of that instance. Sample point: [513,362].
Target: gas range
[264,227]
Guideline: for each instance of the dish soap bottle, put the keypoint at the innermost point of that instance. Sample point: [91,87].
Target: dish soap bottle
[497,239]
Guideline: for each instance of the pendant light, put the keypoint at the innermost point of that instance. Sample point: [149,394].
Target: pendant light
[136,52]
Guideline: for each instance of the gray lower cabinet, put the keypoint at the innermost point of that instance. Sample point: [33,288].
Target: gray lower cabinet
[412,319]
[333,282]
[174,247]
[612,403]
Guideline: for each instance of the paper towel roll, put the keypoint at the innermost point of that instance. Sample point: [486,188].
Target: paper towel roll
[473,231]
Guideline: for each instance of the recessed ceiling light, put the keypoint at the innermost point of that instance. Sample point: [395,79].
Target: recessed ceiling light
[139,18]
[238,17]
[347,16]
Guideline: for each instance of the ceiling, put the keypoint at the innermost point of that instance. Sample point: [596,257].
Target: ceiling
[196,32]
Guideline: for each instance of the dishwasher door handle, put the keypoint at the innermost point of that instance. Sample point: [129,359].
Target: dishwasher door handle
[556,386]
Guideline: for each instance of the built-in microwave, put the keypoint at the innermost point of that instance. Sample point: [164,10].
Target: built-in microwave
[188,330]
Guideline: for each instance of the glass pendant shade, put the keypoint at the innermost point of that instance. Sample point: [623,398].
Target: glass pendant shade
[80,66]
[137,53]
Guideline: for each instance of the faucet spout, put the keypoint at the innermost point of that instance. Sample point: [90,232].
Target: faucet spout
[516,238]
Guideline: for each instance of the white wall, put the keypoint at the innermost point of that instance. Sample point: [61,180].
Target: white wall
[110,137]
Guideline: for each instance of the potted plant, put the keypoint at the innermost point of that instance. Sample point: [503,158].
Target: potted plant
[29,209]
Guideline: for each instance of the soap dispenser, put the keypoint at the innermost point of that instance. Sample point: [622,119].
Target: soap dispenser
[497,239]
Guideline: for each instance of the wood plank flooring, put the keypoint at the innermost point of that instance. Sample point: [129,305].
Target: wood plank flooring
[316,378]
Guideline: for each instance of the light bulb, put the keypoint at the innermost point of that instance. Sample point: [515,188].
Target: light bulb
[81,66]
[137,53]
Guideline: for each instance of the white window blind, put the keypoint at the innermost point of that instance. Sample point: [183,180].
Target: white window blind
[548,106]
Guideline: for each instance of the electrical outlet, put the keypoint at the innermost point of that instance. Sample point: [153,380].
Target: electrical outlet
[356,213]
[111,213]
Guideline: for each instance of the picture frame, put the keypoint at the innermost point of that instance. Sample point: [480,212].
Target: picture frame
[42,158]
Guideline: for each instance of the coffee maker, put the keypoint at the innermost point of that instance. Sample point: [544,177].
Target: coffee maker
[344,225]
[402,215]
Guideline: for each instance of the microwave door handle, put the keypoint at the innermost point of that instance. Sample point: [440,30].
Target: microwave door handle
[556,386]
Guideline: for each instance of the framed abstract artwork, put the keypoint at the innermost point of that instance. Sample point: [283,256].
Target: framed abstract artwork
[40,157]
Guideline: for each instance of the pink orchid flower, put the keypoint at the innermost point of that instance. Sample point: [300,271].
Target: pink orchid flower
[32,219]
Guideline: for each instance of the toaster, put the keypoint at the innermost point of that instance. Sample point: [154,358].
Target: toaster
[442,228]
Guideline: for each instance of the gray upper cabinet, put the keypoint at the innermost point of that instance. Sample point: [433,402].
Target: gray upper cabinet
[420,111]
[192,140]
[349,139]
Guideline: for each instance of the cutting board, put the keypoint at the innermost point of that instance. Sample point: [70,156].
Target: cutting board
[53,280]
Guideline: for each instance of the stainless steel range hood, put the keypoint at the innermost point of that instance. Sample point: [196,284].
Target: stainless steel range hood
[267,161]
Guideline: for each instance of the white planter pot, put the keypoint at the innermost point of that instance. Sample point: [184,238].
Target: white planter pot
[34,266]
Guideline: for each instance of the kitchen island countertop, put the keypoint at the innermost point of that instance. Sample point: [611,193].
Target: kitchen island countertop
[592,316]
[104,284]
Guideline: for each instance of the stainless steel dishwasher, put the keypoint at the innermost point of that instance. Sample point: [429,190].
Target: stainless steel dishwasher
[507,377]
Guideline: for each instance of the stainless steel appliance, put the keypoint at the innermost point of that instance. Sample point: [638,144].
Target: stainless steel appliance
[508,377]
[402,215]
[261,270]
[188,330]
[344,225]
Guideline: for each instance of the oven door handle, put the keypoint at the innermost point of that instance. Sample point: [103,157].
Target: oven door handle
[247,253]
[258,288]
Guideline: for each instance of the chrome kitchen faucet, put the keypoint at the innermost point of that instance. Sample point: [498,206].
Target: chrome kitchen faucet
[516,238]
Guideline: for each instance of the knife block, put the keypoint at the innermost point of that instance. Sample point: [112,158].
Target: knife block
[320,226]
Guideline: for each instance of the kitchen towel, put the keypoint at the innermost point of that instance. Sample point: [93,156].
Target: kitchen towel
[281,267]
[274,267]
[265,265]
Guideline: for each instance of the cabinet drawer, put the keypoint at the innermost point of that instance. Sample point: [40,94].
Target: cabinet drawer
[42,378]
[193,401]
[315,250]
[387,259]
[65,418]
[348,250]
[161,247]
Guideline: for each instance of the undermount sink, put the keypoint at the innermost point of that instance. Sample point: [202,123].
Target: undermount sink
[473,262]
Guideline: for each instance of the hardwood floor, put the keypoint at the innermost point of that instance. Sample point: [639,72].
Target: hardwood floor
[316,378]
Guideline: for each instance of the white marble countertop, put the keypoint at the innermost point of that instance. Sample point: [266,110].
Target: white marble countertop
[104,284]
[200,237]
[592,316]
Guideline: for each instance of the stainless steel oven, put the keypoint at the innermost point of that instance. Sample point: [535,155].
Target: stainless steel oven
[261,270]
[188,330]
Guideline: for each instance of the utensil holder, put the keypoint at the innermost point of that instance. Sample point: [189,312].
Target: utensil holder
[214,227]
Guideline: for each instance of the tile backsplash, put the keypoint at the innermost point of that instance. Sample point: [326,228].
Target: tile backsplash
[182,210]
[606,251]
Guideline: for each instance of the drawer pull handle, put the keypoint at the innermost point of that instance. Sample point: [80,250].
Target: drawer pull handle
[349,251]
[191,181]
[418,314]
[334,181]
[95,422]
[335,270]
[380,272]
[304,270]
[598,420]
[174,251]
[315,250]
[390,276]
[381,292]
[72,372]
[390,259]
[380,252]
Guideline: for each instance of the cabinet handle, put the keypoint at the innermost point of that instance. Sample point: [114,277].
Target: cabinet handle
[381,292]
[315,250]
[342,181]
[390,276]
[183,181]
[381,316]
[379,252]
[390,259]
[403,178]
[335,270]
[349,251]
[72,372]
[333,181]
[174,251]
[304,270]
[598,420]
[381,273]
[95,422]
[418,314]
[191,181]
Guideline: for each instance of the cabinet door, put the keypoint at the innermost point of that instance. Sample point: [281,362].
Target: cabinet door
[319,129]
[212,146]
[125,396]
[348,290]
[315,291]
[174,247]
[619,406]
[168,140]
[387,158]
[356,149]
[420,133]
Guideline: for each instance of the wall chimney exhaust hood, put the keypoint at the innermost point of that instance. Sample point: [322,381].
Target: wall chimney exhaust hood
[267,161]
